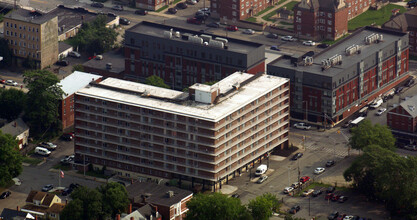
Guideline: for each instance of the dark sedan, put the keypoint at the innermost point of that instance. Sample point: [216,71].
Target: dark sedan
[295,209]
[297,156]
[213,25]
[5,194]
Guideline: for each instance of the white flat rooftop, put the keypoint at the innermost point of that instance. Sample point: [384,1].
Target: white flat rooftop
[175,102]
[76,81]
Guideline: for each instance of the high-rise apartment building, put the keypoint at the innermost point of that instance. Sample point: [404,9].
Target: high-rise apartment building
[205,136]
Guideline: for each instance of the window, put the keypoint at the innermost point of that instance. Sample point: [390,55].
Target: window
[329,22]
[298,12]
[329,15]
[329,29]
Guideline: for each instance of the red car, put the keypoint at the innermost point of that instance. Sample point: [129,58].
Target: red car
[194,21]
[335,197]
[232,28]
[2,81]
[328,196]
[341,217]
[304,179]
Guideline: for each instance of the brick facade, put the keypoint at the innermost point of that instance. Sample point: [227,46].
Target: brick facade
[231,11]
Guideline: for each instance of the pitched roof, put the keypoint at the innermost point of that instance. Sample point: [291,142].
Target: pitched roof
[410,105]
[403,21]
[56,208]
[46,198]
[11,214]
[75,81]
[15,127]
[156,194]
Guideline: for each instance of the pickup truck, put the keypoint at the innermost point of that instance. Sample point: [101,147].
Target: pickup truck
[302,125]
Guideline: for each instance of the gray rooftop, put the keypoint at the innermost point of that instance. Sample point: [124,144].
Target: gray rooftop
[410,105]
[156,194]
[157,30]
[62,46]
[15,127]
[76,81]
[116,58]
[175,102]
[35,17]
[339,48]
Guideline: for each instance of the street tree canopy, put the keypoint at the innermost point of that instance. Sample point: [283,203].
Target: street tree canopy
[156,81]
[42,102]
[10,159]
[367,134]
[215,206]
[261,207]
[12,103]
[115,199]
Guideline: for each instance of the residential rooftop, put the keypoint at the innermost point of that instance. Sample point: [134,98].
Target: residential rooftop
[76,81]
[115,58]
[34,16]
[235,91]
[410,105]
[158,31]
[357,38]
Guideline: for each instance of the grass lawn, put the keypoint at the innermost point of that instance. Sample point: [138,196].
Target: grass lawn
[280,2]
[31,161]
[265,10]
[251,19]
[162,8]
[371,16]
[289,6]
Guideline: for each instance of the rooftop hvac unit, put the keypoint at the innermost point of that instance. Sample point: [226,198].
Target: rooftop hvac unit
[308,61]
[224,40]
[168,34]
[206,37]
[336,59]
[352,49]
[372,38]
[216,43]
[325,63]
[177,34]
[196,39]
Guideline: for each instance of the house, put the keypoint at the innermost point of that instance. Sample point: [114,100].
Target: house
[404,116]
[43,205]
[168,201]
[200,136]
[18,129]
[70,85]
[146,212]
[231,11]
[405,22]
[339,81]
[11,214]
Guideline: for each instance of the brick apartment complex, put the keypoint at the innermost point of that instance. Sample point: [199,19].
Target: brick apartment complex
[70,85]
[345,77]
[404,116]
[204,136]
[184,57]
[326,19]
[406,22]
[232,11]
[32,34]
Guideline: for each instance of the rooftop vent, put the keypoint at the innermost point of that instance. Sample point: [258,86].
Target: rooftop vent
[177,34]
[352,49]
[195,39]
[216,43]
[336,59]
[224,40]
[168,34]
[372,38]
[308,61]
[170,194]
[411,107]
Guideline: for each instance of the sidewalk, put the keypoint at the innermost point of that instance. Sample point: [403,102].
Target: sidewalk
[260,19]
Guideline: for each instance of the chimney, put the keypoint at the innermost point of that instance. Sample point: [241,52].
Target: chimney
[18,208]
[132,218]
[14,124]
[118,217]
[130,208]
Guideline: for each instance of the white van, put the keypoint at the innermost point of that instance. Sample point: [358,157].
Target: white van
[42,151]
[376,103]
[261,169]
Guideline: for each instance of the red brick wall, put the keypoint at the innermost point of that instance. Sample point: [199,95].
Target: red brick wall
[399,119]
[67,112]
[257,69]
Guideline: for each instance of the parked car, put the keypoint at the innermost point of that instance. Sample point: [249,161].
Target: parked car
[49,145]
[74,185]
[232,28]
[275,48]
[62,63]
[412,3]
[67,159]
[330,163]
[308,54]
[333,215]
[213,25]
[202,13]
[409,82]
[97,5]
[328,196]
[206,10]
[201,16]
[288,190]
[194,21]
[124,21]
[317,192]
[67,137]
[271,35]
[319,170]
[399,89]
[67,191]
[182,5]
[309,43]
[336,197]
[17,181]
[11,83]
[191,2]
[235,195]
[304,179]
[262,179]
[308,192]
[347,124]
[323,46]
[74,54]
[141,12]
[330,189]
[341,217]
[296,185]
[295,209]
[348,217]
[5,194]
[117,8]
[47,188]
[297,156]
[172,10]
[2,81]
[249,31]
[342,199]
[288,38]
[410,147]
[380,111]
[376,103]
[302,125]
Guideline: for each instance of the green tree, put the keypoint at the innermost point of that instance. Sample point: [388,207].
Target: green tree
[10,159]
[156,81]
[6,53]
[215,206]
[94,37]
[78,67]
[12,103]
[261,207]
[42,103]
[366,134]
[86,203]
[115,199]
